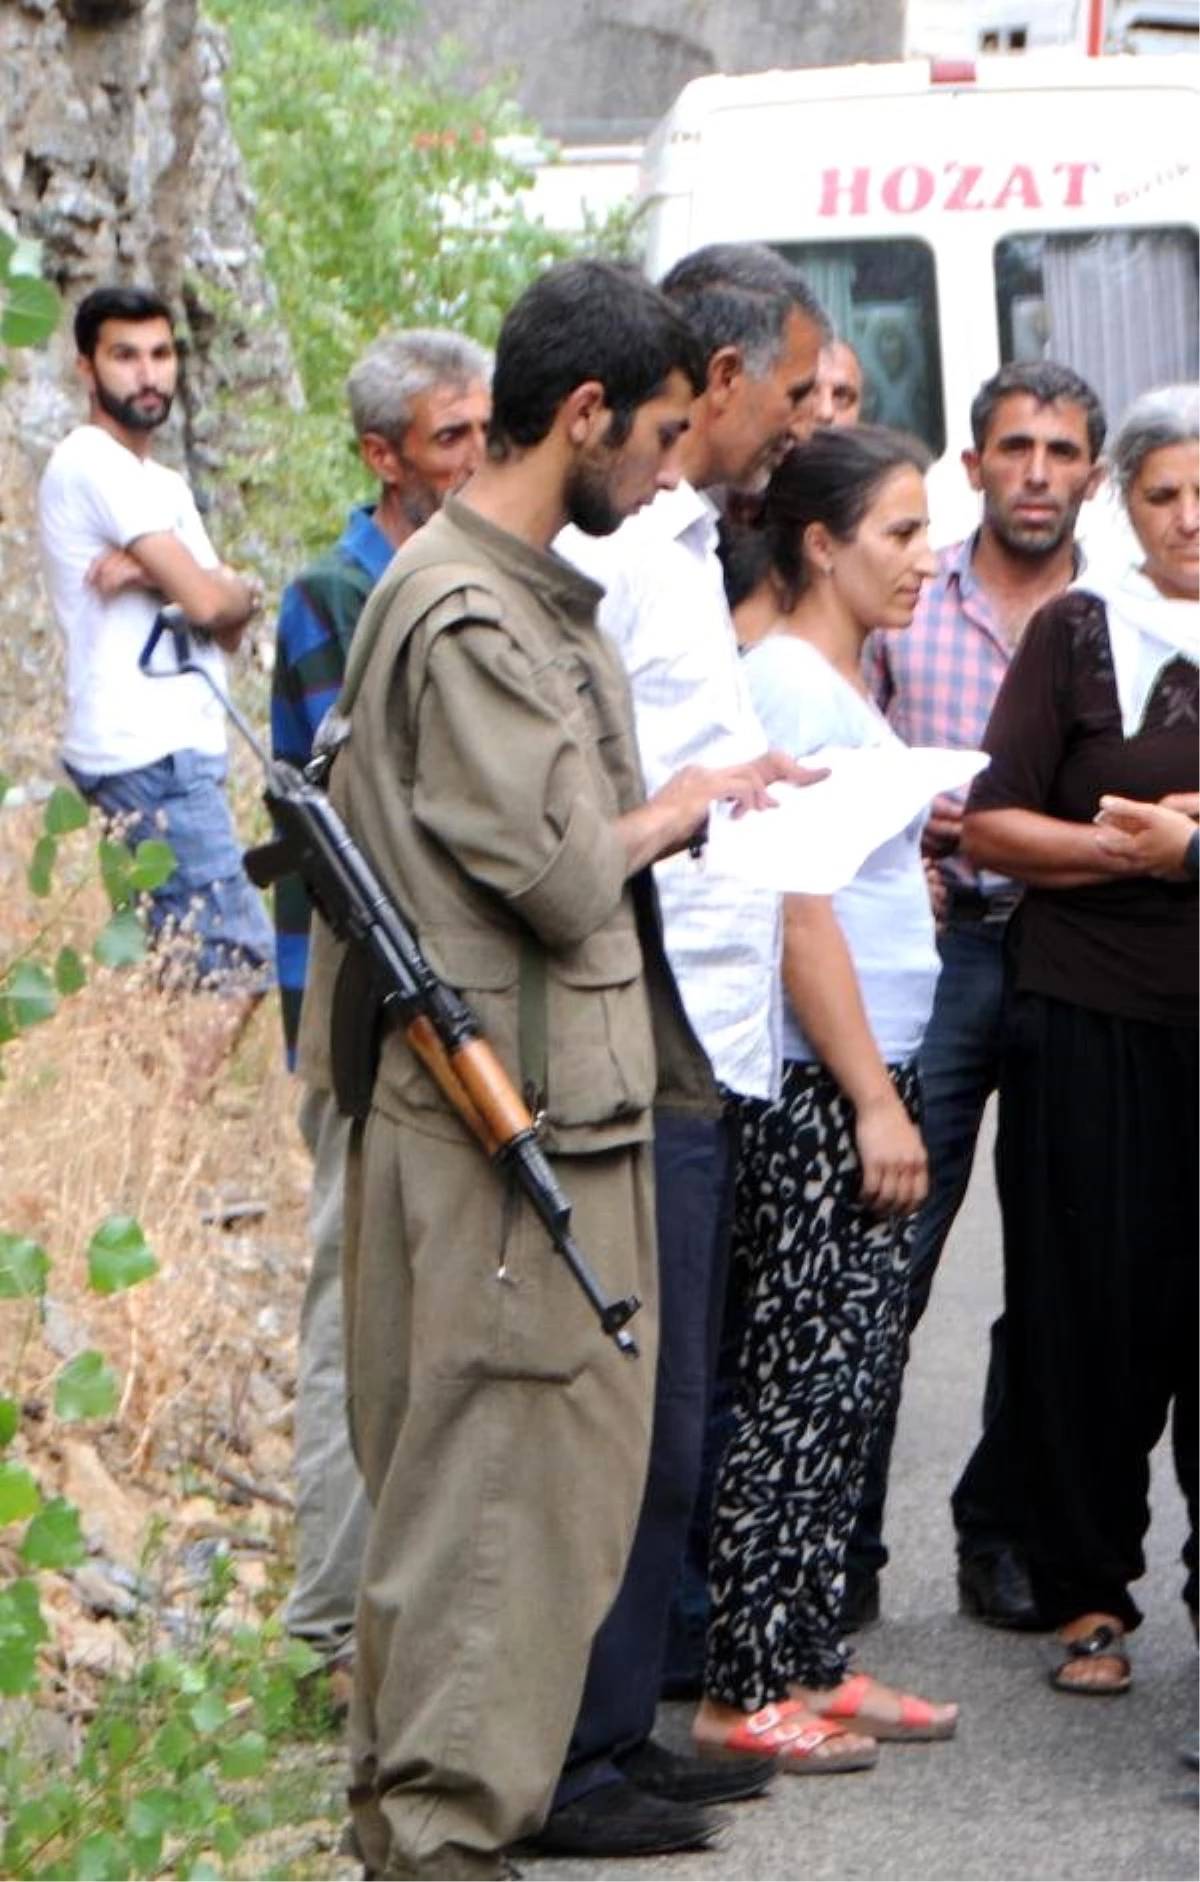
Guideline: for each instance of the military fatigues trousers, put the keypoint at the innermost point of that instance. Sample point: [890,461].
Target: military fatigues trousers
[503,1439]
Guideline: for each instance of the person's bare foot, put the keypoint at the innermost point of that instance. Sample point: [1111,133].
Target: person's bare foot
[1095,1660]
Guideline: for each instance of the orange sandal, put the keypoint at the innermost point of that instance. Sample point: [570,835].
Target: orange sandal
[919,1721]
[793,1735]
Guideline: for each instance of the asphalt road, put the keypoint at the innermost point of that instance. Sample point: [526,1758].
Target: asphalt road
[1036,1784]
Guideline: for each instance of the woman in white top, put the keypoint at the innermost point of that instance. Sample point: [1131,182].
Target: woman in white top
[828,1176]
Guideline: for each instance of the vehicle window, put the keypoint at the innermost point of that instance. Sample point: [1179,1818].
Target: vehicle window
[1118,305]
[882,297]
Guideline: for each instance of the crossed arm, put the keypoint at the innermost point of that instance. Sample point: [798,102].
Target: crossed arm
[215,599]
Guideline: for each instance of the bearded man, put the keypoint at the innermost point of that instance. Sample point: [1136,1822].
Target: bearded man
[121,536]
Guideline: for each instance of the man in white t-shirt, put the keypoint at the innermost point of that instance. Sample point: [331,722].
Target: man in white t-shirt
[121,537]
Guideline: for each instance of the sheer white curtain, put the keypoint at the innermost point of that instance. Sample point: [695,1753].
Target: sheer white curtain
[831,278]
[1122,310]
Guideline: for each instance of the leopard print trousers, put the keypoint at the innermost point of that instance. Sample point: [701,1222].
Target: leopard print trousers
[824,1285]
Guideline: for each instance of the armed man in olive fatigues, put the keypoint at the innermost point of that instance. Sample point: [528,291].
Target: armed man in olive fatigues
[491,776]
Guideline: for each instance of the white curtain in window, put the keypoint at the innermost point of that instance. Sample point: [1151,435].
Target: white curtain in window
[1122,310]
[831,278]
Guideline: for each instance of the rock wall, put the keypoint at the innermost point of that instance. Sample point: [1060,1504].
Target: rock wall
[116,154]
[608,69]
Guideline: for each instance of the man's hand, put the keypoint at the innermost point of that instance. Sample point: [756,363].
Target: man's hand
[1148,839]
[775,767]
[115,570]
[943,830]
[894,1164]
[676,817]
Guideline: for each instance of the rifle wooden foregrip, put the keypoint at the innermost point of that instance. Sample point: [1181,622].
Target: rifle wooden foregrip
[492,1092]
[422,1037]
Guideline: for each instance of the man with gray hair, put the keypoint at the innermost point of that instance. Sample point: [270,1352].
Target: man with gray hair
[760,329]
[420,404]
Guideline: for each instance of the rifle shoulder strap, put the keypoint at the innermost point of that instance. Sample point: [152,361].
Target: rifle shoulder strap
[444,594]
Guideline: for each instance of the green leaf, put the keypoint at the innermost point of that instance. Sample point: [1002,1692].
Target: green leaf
[115,866]
[202,1870]
[22,1631]
[24,1266]
[112,1741]
[70,974]
[153,1809]
[199,1801]
[65,811]
[28,994]
[100,1858]
[87,1387]
[209,1714]
[153,864]
[10,1419]
[226,1836]
[150,1815]
[118,1256]
[122,941]
[34,1820]
[40,873]
[19,1494]
[171,1749]
[245,1756]
[54,1539]
[30,313]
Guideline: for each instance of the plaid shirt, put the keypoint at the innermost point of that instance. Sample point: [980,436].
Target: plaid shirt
[937,681]
[317,617]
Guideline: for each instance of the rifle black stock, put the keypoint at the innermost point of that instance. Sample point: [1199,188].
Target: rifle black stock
[313,843]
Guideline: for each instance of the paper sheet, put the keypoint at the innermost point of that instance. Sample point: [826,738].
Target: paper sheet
[821,834]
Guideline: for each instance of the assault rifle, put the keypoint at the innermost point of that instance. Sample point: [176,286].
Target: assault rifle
[312,842]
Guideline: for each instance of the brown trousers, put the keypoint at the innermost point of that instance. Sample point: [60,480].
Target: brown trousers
[503,1440]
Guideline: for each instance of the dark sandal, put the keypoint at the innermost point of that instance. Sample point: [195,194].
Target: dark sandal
[1105,1642]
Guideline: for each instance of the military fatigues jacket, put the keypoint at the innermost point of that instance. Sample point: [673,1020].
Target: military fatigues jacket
[491,752]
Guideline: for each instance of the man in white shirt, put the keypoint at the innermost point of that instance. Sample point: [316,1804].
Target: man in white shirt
[761,329]
[121,537]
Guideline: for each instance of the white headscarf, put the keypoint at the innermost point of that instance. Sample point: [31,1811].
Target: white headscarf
[1146,631]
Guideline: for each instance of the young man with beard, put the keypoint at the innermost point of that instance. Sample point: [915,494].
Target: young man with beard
[121,536]
[419,402]
[1037,429]
[491,775]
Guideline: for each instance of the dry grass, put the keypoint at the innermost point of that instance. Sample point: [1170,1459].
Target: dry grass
[98,1118]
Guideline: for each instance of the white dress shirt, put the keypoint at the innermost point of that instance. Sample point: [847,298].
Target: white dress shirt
[664,606]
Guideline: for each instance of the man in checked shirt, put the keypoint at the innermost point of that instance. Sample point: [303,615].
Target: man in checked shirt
[1037,430]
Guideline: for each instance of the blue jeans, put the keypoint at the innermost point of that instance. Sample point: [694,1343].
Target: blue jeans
[207,919]
[960,1069]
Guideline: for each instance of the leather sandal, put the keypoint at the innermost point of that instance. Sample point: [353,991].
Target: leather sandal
[919,1722]
[1105,1642]
[790,1733]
